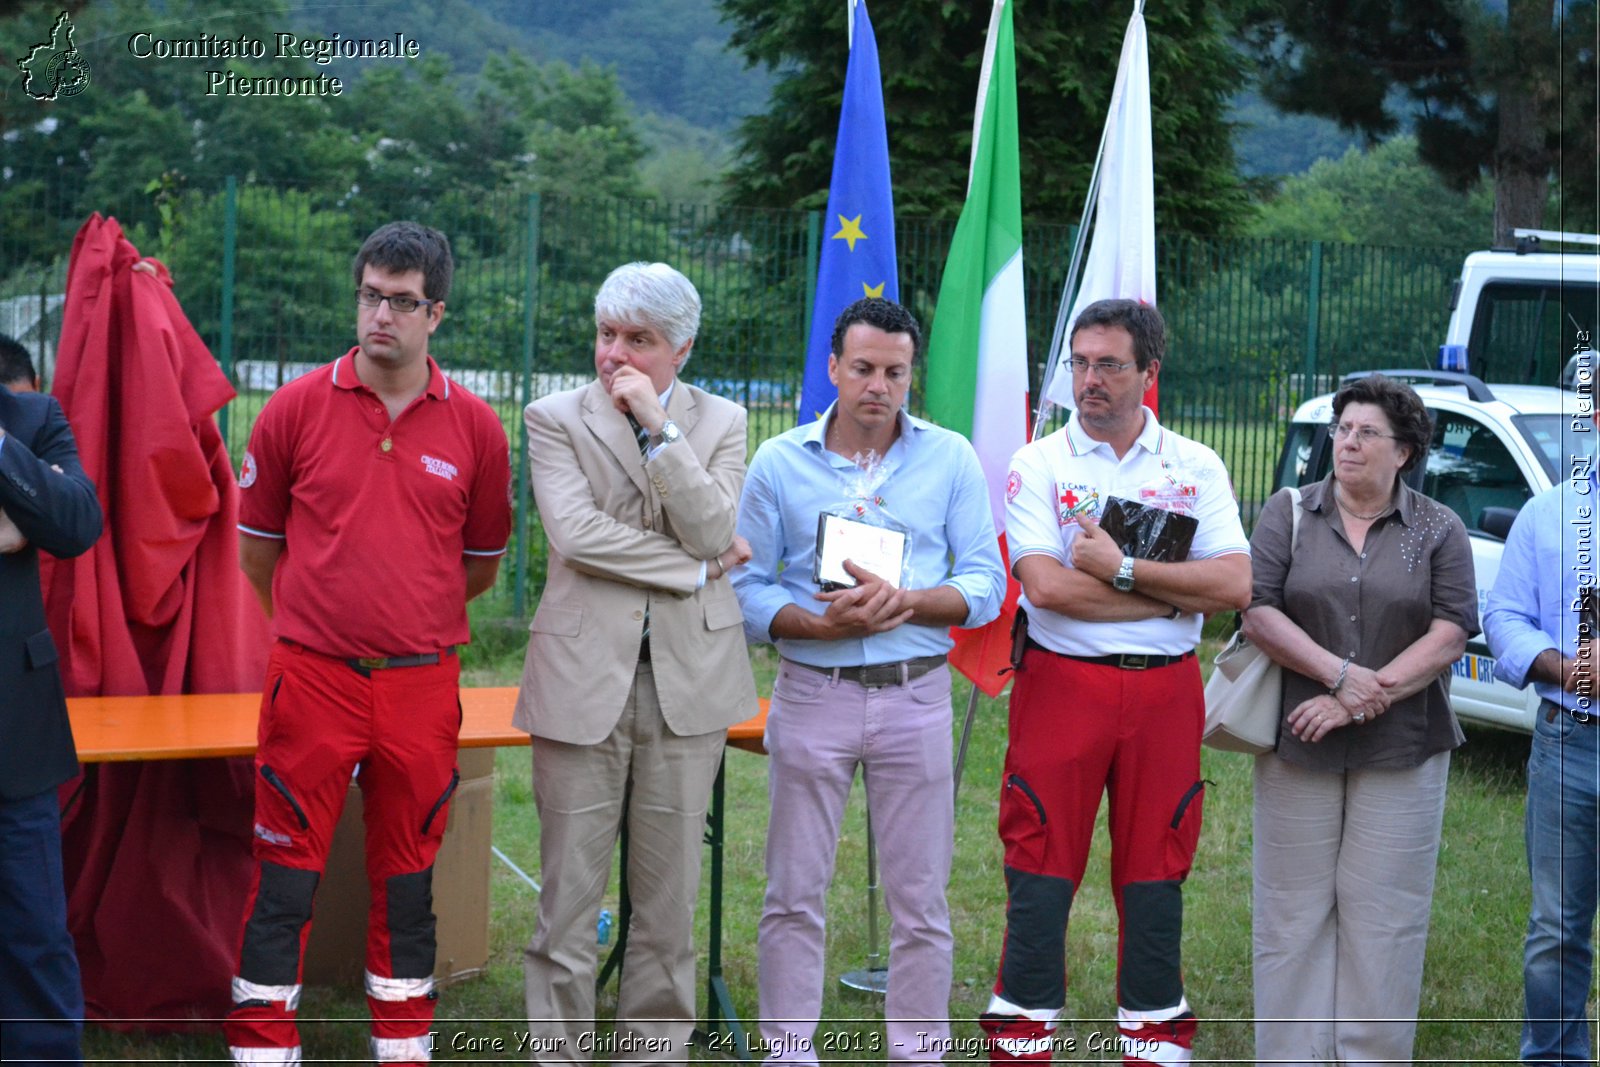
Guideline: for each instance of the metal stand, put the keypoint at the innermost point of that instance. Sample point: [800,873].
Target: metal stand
[874,978]
[966,738]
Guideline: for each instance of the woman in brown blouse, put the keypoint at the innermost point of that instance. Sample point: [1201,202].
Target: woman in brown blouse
[1366,613]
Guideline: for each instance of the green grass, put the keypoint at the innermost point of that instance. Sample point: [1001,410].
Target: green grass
[1472,985]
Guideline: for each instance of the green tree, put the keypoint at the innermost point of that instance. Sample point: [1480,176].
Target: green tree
[1503,90]
[930,51]
[1382,196]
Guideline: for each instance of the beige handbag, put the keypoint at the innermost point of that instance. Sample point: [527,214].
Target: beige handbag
[1244,698]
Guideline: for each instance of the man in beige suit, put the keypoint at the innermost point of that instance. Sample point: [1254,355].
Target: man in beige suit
[636,663]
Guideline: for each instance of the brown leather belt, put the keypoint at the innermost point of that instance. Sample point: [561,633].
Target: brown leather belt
[1552,709]
[875,675]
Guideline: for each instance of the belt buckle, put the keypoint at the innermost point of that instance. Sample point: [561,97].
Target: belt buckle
[1134,661]
[373,663]
[880,675]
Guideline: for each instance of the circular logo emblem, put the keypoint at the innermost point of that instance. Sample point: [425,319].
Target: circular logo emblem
[247,471]
[67,73]
[1013,485]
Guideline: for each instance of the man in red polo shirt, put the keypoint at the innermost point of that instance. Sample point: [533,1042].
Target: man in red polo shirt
[375,504]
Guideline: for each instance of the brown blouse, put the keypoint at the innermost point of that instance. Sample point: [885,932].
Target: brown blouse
[1415,566]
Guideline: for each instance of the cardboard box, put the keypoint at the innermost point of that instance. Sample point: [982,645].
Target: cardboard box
[336,950]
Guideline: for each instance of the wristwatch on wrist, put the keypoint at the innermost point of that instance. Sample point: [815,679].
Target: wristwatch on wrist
[1124,576]
[669,433]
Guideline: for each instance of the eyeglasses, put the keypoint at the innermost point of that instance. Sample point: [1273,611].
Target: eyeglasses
[1364,435]
[1106,368]
[371,298]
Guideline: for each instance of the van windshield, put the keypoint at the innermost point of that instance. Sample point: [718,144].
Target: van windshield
[1555,442]
[1524,331]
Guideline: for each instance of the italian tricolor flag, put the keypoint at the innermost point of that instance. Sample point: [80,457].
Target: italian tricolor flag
[977,379]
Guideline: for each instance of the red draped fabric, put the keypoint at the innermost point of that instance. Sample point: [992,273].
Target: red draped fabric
[157,854]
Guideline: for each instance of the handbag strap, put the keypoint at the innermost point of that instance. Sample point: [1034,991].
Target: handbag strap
[1294,535]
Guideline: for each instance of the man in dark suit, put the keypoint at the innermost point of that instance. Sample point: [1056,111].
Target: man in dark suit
[52,504]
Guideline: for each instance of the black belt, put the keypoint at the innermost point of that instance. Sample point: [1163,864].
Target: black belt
[875,675]
[1126,661]
[367,664]
[1587,718]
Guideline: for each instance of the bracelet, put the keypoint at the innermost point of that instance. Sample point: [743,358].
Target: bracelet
[721,570]
[1344,668]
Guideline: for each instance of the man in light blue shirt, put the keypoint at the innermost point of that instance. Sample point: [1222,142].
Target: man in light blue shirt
[1536,631]
[863,679]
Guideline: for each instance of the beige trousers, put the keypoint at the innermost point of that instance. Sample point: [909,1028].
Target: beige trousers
[1344,865]
[579,791]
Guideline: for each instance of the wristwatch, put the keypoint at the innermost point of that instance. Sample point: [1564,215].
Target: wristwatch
[668,434]
[1124,577]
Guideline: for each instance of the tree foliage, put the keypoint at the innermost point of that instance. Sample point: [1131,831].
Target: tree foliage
[1382,196]
[1503,90]
[930,52]
[426,141]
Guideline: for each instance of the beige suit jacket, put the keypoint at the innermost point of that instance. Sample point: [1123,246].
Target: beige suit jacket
[627,538]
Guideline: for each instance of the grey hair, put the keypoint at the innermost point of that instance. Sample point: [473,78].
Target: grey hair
[651,294]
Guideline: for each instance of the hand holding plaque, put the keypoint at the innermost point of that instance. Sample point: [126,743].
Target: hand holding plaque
[879,549]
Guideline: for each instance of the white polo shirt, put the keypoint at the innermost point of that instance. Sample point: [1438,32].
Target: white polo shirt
[1059,478]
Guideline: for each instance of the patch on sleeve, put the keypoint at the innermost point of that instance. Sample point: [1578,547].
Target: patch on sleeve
[1013,485]
[247,471]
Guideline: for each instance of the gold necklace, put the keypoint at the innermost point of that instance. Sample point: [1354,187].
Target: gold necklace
[1354,514]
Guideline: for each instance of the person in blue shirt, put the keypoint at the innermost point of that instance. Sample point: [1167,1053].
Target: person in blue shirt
[863,679]
[1537,634]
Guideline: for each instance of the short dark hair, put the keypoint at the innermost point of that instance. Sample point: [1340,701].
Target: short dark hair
[16,365]
[1400,404]
[881,314]
[1142,321]
[401,246]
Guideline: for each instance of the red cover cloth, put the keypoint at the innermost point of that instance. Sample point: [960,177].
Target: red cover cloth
[157,854]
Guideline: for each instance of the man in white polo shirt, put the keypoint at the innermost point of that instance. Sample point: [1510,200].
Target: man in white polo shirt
[1108,698]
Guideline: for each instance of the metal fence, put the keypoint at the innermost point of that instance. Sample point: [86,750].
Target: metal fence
[264,273]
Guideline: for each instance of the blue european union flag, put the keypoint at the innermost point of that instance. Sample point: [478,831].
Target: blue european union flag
[858,231]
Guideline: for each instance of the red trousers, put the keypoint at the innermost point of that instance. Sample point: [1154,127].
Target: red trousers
[320,718]
[1079,730]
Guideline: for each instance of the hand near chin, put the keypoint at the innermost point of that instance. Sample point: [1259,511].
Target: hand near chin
[634,393]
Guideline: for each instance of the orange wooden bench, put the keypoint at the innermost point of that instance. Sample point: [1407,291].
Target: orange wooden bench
[203,725]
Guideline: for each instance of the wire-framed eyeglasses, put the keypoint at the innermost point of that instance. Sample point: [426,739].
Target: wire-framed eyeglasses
[371,298]
[1364,435]
[1106,368]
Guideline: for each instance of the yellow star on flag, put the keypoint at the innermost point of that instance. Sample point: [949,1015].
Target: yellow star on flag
[873,290]
[850,231]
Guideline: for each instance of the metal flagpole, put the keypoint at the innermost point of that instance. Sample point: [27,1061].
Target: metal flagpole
[874,978]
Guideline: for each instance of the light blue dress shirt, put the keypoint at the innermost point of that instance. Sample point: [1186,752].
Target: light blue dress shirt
[1548,555]
[934,486]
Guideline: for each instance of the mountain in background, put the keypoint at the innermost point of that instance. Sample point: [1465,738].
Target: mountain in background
[671,59]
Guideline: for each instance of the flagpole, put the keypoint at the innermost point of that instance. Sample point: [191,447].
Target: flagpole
[1074,269]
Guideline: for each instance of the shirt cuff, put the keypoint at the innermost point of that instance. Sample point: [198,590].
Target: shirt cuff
[1516,659]
[760,606]
[700,583]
